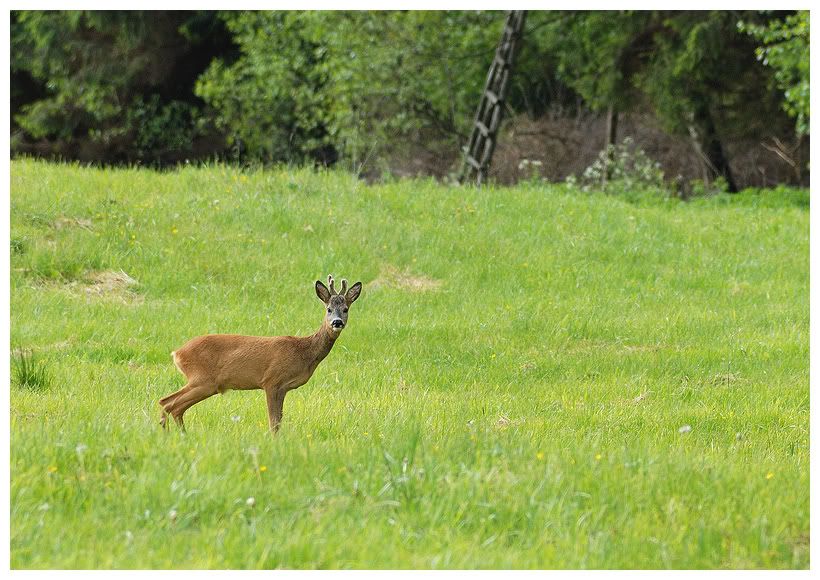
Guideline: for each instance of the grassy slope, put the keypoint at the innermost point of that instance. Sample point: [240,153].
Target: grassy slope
[489,423]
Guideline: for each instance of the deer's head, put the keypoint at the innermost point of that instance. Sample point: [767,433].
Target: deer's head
[337,303]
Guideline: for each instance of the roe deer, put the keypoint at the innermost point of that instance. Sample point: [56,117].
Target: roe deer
[215,363]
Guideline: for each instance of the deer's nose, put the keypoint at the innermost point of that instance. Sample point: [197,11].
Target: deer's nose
[337,323]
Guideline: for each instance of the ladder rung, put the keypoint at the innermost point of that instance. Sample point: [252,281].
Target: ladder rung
[476,165]
[492,97]
[482,128]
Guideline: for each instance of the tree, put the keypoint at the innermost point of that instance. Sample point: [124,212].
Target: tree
[351,82]
[694,69]
[110,85]
[272,101]
[786,49]
[599,57]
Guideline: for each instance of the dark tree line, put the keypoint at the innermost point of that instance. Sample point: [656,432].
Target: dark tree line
[350,87]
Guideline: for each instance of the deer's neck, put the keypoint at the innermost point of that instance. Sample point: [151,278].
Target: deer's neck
[320,344]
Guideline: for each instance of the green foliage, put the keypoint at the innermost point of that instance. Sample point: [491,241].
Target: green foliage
[786,49]
[678,61]
[162,129]
[366,84]
[108,80]
[411,76]
[701,71]
[46,44]
[272,101]
[28,371]
[513,390]
[356,82]
[600,52]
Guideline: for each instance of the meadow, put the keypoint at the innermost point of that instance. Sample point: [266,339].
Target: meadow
[533,377]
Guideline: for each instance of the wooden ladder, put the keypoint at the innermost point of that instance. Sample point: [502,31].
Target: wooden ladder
[479,149]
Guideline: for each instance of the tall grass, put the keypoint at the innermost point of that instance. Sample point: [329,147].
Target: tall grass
[28,371]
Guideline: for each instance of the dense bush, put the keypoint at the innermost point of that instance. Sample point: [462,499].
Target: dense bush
[113,85]
[271,103]
[310,85]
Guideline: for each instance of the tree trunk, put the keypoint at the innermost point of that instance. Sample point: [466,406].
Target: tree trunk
[611,125]
[611,140]
[707,144]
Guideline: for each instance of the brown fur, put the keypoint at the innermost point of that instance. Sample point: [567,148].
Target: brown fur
[215,363]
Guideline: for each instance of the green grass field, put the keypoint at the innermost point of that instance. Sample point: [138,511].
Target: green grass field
[532,378]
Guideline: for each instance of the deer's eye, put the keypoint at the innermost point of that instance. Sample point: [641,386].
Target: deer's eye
[345,310]
[328,309]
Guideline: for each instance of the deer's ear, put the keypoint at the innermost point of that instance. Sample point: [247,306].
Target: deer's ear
[353,293]
[322,292]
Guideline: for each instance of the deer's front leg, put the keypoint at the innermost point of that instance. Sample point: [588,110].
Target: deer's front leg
[276,399]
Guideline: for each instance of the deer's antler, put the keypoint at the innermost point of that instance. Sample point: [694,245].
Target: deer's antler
[330,285]
[343,291]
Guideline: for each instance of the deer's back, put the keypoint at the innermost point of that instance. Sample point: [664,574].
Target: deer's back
[236,360]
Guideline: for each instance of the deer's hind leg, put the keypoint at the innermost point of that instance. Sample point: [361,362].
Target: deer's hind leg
[165,403]
[193,394]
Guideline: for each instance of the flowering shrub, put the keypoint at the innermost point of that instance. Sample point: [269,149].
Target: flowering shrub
[621,168]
